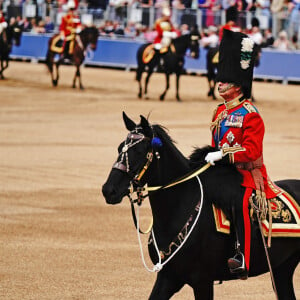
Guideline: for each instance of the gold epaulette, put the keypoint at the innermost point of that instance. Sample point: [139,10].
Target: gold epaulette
[249,107]
[215,111]
[215,123]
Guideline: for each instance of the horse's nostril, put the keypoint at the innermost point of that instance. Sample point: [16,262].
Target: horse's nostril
[107,191]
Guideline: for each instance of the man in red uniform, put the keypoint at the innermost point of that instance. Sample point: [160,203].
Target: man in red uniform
[165,31]
[231,18]
[69,27]
[237,133]
[3,23]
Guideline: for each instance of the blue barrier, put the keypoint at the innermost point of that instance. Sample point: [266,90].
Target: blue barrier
[121,53]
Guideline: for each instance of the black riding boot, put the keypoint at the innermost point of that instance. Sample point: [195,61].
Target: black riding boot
[237,263]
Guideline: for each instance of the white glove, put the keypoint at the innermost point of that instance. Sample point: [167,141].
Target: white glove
[173,35]
[170,34]
[157,46]
[78,30]
[211,157]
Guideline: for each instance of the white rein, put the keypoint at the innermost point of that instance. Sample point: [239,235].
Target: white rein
[158,266]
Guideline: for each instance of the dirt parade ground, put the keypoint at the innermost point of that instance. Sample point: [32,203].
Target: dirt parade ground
[59,239]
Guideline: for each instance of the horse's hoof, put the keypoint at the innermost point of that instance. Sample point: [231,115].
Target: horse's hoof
[54,82]
[81,87]
[209,93]
[162,98]
[179,100]
[146,97]
[140,95]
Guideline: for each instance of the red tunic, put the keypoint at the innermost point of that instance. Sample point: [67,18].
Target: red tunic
[228,27]
[161,26]
[69,23]
[239,131]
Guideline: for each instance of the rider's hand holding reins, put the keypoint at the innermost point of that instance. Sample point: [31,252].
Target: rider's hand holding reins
[211,157]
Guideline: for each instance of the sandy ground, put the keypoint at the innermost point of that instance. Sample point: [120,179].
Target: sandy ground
[59,239]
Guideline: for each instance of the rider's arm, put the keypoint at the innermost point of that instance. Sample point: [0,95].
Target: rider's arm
[252,141]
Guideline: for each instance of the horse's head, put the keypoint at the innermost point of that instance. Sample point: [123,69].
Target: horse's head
[14,34]
[194,42]
[90,36]
[17,34]
[135,156]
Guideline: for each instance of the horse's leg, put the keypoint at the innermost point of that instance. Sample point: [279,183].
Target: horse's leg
[177,86]
[4,67]
[162,96]
[139,73]
[164,287]
[283,276]
[77,75]
[1,70]
[55,78]
[149,73]
[213,90]
[204,290]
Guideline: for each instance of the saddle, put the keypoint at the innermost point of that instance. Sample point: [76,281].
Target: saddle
[149,52]
[284,221]
[59,46]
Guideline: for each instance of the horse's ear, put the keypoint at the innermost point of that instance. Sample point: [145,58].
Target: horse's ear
[130,125]
[146,127]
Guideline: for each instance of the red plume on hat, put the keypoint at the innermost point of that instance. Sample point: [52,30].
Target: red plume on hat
[236,60]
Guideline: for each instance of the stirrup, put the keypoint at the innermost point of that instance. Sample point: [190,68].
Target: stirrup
[237,264]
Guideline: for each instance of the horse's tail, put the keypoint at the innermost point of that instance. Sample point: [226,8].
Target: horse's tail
[141,63]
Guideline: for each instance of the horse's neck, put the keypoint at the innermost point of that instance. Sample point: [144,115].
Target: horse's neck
[181,45]
[82,41]
[171,207]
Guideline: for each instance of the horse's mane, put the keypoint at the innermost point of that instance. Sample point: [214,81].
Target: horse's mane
[196,159]
[161,131]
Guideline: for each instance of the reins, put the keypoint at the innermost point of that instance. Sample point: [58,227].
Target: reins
[139,190]
[158,266]
[134,138]
[183,238]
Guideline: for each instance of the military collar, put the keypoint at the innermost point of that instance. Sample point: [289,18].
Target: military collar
[234,102]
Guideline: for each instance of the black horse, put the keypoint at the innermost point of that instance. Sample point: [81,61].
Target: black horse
[212,69]
[149,156]
[88,36]
[172,61]
[9,37]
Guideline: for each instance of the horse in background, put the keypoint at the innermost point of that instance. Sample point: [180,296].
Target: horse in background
[170,62]
[10,36]
[212,59]
[151,165]
[87,37]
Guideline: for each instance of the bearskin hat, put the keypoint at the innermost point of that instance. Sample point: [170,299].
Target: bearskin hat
[254,22]
[236,60]
[231,14]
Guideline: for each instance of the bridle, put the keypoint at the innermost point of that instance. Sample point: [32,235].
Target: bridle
[122,164]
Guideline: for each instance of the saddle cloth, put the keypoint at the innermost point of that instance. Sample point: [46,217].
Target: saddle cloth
[57,45]
[149,52]
[285,217]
